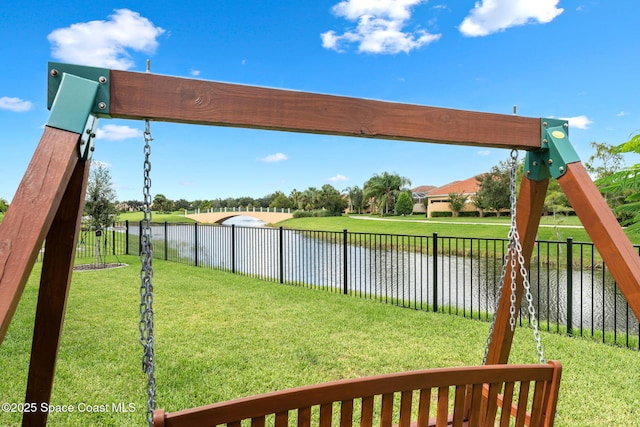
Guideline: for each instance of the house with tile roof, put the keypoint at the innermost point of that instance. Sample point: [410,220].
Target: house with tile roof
[419,194]
[437,199]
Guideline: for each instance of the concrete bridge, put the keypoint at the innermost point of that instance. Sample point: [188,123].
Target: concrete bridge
[268,215]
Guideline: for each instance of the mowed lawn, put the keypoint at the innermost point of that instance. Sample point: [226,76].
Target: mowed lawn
[221,336]
[483,228]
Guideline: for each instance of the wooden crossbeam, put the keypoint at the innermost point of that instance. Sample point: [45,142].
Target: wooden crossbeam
[174,99]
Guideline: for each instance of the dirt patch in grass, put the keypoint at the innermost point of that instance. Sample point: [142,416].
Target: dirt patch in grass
[92,267]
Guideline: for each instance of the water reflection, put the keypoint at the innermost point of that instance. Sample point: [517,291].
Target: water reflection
[466,282]
[244,221]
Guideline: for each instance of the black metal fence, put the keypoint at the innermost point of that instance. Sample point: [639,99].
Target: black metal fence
[102,247]
[571,287]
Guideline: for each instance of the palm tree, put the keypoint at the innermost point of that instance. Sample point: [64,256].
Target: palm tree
[384,188]
[295,196]
[355,198]
[309,199]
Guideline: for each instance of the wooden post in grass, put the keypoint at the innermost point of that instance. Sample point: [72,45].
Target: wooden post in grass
[52,297]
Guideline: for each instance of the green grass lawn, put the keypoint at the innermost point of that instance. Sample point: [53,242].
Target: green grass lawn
[221,336]
[177,216]
[457,227]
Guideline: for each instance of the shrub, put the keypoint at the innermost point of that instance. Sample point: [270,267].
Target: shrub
[404,204]
[441,214]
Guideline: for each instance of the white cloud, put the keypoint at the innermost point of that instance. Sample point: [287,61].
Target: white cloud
[117,133]
[272,158]
[338,178]
[380,27]
[194,73]
[15,104]
[491,16]
[483,153]
[105,43]
[578,122]
[622,114]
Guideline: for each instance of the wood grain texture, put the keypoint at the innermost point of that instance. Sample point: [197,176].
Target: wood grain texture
[613,245]
[29,217]
[181,100]
[383,388]
[52,297]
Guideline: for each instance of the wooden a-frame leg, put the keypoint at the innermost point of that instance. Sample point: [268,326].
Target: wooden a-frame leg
[31,213]
[605,232]
[52,298]
[528,210]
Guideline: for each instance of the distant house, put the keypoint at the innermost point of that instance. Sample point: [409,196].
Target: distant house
[419,194]
[437,199]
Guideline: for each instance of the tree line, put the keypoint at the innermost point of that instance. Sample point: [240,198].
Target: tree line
[388,193]
[493,193]
[379,194]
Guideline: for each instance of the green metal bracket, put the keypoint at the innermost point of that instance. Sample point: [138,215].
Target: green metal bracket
[555,153]
[71,110]
[101,76]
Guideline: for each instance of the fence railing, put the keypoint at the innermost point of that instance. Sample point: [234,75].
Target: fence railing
[110,243]
[239,209]
[571,287]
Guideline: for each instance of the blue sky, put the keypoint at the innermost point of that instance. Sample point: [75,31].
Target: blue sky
[568,59]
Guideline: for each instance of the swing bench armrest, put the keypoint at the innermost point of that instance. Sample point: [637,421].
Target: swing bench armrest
[550,396]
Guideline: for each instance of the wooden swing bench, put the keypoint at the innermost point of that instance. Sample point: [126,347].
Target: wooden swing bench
[490,395]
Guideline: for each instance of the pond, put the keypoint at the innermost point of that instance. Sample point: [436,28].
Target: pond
[381,267]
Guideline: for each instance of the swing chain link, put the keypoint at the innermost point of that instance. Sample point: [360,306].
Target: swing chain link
[517,252]
[514,252]
[146,283]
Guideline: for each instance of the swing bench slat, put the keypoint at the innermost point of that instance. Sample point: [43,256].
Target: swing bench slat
[504,395]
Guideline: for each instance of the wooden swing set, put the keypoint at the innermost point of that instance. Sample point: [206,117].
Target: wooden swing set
[48,205]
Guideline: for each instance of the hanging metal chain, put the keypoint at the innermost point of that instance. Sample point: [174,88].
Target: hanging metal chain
[515,249]
[146,283]
[515,258]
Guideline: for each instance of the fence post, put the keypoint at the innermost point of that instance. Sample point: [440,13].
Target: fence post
[281,247]
[233,248]
[435,272]
[345,267]
[113,238]
[126,233]
[166,242]
[569,286]
[140,239]
[195,233]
